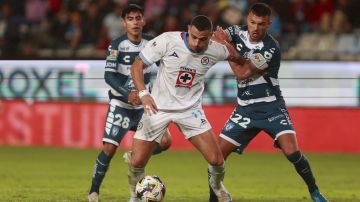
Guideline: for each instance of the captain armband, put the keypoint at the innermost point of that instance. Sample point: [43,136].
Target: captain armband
[142,93]
[259,61]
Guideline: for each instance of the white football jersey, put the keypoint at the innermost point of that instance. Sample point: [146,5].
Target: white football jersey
[180,78]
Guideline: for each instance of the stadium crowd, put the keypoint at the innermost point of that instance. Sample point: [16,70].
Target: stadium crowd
[83,28]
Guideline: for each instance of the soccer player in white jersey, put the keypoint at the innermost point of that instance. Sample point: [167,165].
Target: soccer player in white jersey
[260,105]
[125,109]
[184,57]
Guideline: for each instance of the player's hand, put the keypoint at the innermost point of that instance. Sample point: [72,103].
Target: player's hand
[134,98]
[220,36]
[150,107]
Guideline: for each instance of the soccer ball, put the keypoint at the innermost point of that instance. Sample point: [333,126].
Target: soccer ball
[150,189]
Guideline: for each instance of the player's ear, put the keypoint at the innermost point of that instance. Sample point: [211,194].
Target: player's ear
[270,22]
[189,26]
[123,22]
[144,21]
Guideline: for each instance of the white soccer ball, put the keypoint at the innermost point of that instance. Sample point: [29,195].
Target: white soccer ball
[150,189]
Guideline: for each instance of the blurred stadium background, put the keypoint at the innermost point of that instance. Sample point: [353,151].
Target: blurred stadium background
[53,99]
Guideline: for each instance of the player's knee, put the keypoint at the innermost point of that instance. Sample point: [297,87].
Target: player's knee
[137,162]
[165,141]
[288,150]
[216,160]
[109,149]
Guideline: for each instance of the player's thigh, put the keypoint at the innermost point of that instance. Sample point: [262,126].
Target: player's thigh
[141,152]
[239,130]
[118,121]
[152,128]
[279,126]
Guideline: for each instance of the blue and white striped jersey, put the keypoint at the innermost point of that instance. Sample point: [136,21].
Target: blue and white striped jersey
[121,55]
[265,55]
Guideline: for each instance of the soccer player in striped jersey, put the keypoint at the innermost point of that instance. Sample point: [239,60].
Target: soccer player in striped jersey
[260,105]
[125,109]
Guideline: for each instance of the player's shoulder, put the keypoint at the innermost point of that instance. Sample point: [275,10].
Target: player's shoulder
[116,41]
[173,35]
[169,37]
[270,41]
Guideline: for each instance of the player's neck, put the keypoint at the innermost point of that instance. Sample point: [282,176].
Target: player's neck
[134,38]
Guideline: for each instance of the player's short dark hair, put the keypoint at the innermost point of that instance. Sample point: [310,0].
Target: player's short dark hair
[260,9]
[202,22]
[132,8]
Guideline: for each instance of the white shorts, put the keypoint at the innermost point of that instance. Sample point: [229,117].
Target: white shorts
[191,122]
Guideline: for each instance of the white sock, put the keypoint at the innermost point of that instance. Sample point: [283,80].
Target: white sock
[134,175]
[216,175]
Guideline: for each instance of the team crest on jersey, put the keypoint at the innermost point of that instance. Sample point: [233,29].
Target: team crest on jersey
[229,126]
[185,77]
[205,60]
[115,130]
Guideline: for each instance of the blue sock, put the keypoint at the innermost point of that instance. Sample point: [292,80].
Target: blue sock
[101,166]
[158,150]
[302,167]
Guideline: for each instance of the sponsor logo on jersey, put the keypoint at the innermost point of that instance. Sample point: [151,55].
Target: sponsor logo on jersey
[153,44]
[283,122]
[174,55]
[124,48]
[185,77]
[110,64]
[203,122]
[239,46]
[205,60]
[271,119]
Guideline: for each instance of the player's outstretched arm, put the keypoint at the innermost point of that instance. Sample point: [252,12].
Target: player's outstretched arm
[138,78]
[245,70]
[221,37]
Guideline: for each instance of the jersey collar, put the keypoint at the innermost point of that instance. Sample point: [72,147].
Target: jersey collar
[184,36]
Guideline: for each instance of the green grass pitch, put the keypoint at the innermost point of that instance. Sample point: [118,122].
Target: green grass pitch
[54,174]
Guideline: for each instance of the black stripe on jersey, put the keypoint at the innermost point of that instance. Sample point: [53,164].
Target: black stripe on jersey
[127,58]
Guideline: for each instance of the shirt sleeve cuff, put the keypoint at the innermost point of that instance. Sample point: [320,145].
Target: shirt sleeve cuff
[145,59]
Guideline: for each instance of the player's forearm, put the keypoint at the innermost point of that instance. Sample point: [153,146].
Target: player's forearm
[237,58]
[117,82]
[137,74]
[241,71]
[234,56]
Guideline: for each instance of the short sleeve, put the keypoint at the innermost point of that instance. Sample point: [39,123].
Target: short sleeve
[223,52]
[112,57]
[231,31]
[154,50]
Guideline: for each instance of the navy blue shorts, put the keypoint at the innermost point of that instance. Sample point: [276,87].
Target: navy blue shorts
[246,122]
[119,121]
